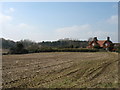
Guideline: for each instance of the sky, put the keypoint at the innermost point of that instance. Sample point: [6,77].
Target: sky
[50,21]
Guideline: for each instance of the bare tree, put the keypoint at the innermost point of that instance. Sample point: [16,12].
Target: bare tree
[90,39]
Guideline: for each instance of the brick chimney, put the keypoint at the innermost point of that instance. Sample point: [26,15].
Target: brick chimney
[95,39]
[108,38]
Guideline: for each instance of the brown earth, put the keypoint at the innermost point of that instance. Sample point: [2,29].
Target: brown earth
[61,70]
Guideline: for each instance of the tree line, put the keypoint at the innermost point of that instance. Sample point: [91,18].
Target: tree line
[29,46]
[62,45]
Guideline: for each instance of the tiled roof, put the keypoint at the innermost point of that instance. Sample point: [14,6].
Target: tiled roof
[101,42]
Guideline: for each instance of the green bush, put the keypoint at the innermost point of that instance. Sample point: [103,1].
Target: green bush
[97,47]
[19,49]
[67,50]
[117,48]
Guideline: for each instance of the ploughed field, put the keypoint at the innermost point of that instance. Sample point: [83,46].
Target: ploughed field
[61,70]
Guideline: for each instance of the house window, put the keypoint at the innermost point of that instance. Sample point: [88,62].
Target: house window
[106,44]
[93,44]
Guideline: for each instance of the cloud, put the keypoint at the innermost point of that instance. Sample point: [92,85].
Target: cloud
[83,32]
[113,19]
[74,28]
[4,18]
[115,6]
[19,31]
[23,30]
[10,10]
[23,26]
[72,31]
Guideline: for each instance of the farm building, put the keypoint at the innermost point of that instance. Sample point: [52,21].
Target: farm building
[105,44]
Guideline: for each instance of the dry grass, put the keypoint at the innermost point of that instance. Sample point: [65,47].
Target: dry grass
[61,70]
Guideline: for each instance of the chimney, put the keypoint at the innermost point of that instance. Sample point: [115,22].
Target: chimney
[108,38]
[95,39]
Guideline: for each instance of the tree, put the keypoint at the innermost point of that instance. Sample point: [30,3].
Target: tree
[20,46]
[26,42]
[19,49]
[90,39]
[33,48]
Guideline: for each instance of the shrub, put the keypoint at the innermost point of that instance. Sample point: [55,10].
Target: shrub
[67,50]
[19,49]
[97,47]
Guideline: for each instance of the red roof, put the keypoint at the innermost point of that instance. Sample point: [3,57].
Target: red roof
[101,42]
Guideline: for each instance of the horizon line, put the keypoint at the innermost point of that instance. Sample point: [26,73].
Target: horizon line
[55,40]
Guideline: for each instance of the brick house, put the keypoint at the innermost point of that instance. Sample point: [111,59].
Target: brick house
[105,44]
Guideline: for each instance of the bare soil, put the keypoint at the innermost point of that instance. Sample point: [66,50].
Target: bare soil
[61,70]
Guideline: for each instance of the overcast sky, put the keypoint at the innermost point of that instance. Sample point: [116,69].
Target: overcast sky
[48,21]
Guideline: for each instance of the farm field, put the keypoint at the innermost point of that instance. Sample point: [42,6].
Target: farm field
[61,70]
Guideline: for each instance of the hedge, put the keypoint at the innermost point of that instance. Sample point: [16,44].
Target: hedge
[68,50]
